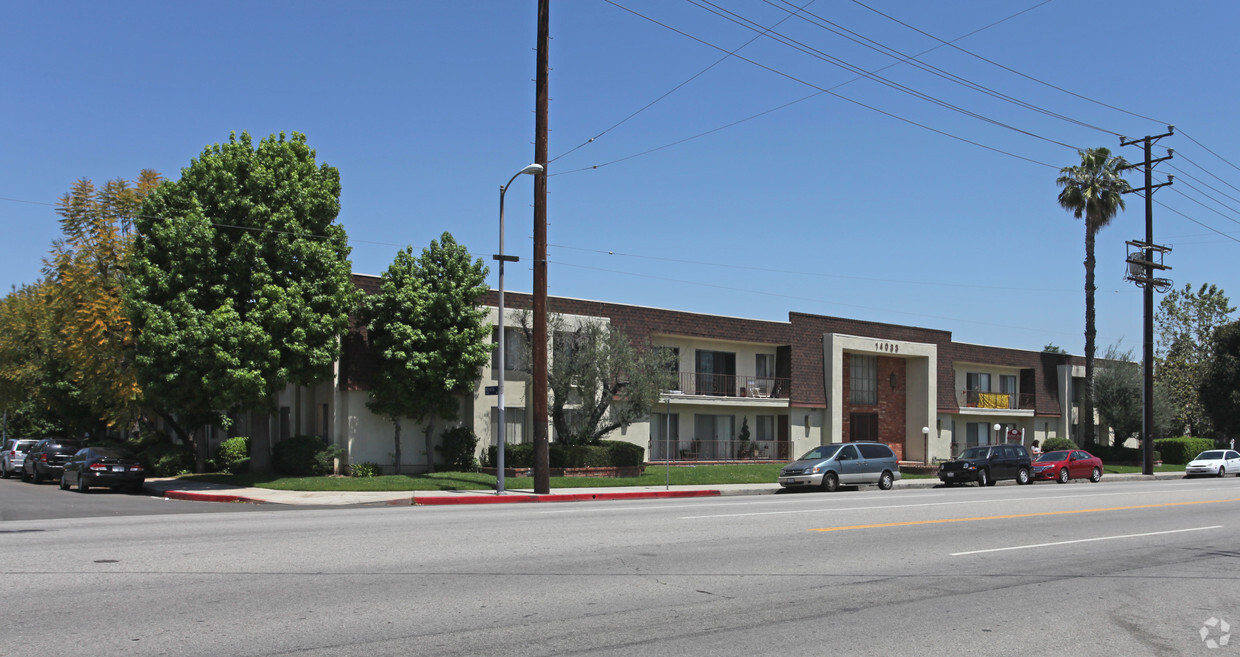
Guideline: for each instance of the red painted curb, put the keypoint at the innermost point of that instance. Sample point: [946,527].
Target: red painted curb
[208,497]
[566,497]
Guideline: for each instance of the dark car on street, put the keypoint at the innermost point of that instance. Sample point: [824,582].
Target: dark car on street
[113,467]
[46,460]
[987,464]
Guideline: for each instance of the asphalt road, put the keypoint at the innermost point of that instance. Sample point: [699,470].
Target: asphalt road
[26,501]
[1120,568]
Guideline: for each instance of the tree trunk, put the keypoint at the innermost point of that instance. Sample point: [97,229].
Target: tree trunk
[430,453]
[186,437]
[1087,393]
[396,421]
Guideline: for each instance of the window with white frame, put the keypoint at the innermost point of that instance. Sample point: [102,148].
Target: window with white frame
[863,379]
[516,358]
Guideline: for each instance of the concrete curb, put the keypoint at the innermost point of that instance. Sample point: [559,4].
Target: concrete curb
[208,497]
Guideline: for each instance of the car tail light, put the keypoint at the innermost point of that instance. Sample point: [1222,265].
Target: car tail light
[43,457]
[98,466]
[135,468]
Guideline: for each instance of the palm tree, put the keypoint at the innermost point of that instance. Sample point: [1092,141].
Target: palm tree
[1094,190]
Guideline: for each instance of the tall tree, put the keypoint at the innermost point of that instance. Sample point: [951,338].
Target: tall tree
[599,379]
[1093,191]
[1220,381]
[1186,322]
[86,273]
[240,281]
[34,373]
[429,335]
[1117,393]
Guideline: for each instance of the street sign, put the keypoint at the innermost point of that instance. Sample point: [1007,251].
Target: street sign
[491,390]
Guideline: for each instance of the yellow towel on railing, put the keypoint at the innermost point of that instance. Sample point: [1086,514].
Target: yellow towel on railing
[993,400]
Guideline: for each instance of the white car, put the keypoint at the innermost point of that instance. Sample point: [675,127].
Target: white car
[1214,463]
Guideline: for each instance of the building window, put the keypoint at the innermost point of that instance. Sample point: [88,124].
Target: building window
[514,426]
[764,427]
[716,372]
[662,445]
[977,433]
[863,379]
[516,352]
[713,433]
[1007,384]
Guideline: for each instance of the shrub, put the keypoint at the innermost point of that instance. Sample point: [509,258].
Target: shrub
[168,460]
[1182,450]
[304,456]
[1057,443]
[364,470]
[240,466]
[515,456]
[625,454]
[230,452]
[457,449]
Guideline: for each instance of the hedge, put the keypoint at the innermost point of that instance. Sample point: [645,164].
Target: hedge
[1182,450]
[607,453]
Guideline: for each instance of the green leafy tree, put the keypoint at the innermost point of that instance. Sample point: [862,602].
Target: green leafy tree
[1117,393]
[599,379]
[1186,323]
[35,381]
[429,335]
[1220,381]
[86,274]
[1095,192]
[240,281]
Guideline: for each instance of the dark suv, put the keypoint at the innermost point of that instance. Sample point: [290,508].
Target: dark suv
[46,460]
[987,464]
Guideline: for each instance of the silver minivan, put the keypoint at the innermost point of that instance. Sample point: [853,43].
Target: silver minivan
[14,456]
[829,466]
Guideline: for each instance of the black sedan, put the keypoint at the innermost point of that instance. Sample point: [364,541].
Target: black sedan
[103,466]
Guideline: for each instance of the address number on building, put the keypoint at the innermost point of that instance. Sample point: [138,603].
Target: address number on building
[887,347]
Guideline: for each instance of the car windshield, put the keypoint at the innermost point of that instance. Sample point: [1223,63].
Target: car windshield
[975,453]
[24,447]
[1054,456]
[819,453]
[1209,456]
[112,453]
[66,446]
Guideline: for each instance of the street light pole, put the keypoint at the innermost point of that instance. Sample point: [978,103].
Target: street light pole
[533,170]
[667,440]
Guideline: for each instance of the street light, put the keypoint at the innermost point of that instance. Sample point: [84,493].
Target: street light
[997,428]
[925,453]
[533,170]
[667,440]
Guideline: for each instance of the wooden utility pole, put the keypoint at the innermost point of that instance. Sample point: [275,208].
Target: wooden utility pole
[1141,271]
[542,470]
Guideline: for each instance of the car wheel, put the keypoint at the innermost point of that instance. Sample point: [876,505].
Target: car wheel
[4,472]
[885,481]
[36,476]
[983,478]
[83,487]
[830,482]
[25,475]
[1096,475]
[1063,476]
[64,483]
[1022,476]
[1222,472]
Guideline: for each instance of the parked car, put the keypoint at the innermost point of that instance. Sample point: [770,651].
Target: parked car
[829,466]
[14,456]
[1214,463]
[1065,464]
[103,466]
[46,460]
[987,464]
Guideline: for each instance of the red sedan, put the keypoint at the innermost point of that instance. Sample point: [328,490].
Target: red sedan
[1062,465]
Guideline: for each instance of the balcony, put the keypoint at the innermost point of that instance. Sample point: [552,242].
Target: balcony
[734,385]
[995,400]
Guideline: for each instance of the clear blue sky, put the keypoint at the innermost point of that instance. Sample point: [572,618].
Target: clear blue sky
[822,206]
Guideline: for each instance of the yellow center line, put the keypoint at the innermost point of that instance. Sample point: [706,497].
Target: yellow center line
[1017,515]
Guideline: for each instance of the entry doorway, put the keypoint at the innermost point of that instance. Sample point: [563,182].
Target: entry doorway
[863,426]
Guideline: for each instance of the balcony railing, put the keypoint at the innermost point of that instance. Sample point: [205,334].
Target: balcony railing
[734,385]
[719,450]
[996,400]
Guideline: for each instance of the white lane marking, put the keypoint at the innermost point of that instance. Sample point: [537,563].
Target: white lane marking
[1084,540]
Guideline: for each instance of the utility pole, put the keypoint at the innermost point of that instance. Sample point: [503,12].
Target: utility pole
[1141,266]
[542,470]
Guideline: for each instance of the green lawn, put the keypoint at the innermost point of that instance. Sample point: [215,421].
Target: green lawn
[759,473]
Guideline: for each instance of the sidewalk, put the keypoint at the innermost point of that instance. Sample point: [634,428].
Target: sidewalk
[207,492]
